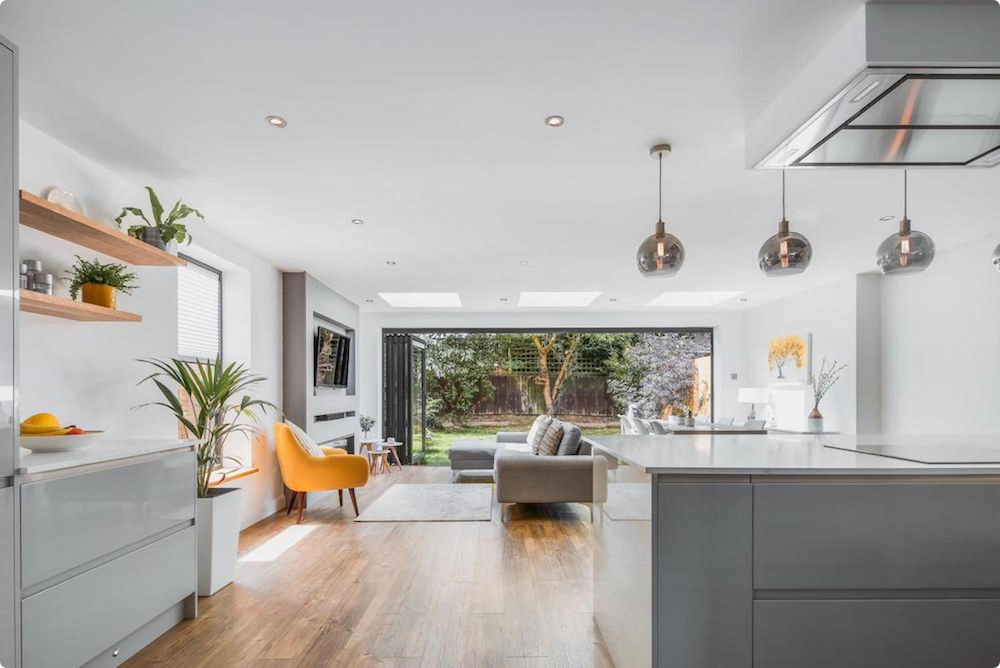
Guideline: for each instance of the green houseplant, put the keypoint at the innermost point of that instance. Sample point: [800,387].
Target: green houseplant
[220,406]
[100,282]
[162,230]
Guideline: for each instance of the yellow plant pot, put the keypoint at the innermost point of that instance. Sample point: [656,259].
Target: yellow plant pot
[99,295]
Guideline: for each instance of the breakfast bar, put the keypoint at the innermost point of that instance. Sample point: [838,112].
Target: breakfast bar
[792,550]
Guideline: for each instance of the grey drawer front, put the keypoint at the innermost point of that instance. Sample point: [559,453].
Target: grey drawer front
[877,536]
[72,622]
[887,634]
[67,522]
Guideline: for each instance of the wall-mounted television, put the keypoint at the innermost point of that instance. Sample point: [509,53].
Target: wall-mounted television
[333,358]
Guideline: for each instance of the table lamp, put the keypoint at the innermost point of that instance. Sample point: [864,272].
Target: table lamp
[753,396]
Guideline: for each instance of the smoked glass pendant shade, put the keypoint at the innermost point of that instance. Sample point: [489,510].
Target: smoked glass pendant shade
[996,258]
[906,252]
[661,254]
[785,253]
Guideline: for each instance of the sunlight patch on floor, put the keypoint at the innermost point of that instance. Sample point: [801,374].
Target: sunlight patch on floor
[275,547]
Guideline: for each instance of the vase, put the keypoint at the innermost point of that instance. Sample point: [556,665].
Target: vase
[218,522]
[99,295]
[152,236]
[815,421]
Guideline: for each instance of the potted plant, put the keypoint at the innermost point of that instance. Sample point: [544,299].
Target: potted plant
[100,283]
[366,422]
[821,384]
[162,230]
[219,406]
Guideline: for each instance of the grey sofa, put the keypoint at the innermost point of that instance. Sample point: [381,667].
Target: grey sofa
[523,477]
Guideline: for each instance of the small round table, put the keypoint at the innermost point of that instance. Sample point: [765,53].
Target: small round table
[374,447]
[380,461]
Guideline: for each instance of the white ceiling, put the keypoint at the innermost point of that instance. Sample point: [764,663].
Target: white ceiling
[425,119]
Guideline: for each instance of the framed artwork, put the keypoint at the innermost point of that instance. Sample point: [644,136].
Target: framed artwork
[789,358]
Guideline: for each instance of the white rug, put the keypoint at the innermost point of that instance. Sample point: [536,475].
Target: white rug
[629,501]
[432,503]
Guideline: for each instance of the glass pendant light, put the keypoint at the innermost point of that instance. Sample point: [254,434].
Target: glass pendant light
[996,258]
[908,251]
[661,254]
[785,253]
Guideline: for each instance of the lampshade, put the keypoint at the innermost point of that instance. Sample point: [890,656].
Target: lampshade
[753,395]
[996,258]
[785,253]
[906,252]
[661,254]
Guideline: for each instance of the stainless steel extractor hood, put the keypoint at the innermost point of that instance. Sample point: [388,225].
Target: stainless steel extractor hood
[923,89]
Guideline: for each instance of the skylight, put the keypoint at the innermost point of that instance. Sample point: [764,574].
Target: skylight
[422,299]
[557,299]
[703,298]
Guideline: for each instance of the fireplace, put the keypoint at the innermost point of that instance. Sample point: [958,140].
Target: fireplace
[344,442]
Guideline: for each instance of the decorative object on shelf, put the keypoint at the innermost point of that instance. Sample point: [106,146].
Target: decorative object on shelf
[661,254]
[33,278]
[65,199]
[788,349]
[753,396]
[996,258]
[907,251]
[367,423]
[212,404]
[162,230]
[821,384]
[785,253]
[100,282]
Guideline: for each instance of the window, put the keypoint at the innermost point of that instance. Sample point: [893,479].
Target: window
[199,311]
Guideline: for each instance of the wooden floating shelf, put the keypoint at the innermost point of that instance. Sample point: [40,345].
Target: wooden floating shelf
[44,216]
[59,307]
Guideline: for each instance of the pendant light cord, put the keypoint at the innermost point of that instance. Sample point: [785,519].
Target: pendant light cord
[660,210]
[905,196]
[782,194]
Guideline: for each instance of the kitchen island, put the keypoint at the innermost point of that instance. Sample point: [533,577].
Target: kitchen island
[779,551]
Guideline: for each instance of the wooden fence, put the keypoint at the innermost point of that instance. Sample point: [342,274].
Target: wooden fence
[520,395]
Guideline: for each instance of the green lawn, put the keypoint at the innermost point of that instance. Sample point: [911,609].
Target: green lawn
[442,439]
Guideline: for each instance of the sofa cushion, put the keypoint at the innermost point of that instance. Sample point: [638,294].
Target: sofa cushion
[543,426]
[536,426]
[304,440]
[570,443]
[472,450]
[551,439]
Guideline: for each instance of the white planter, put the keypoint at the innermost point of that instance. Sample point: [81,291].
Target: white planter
[218,519]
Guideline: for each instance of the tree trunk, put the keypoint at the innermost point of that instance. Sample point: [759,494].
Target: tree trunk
[552,387]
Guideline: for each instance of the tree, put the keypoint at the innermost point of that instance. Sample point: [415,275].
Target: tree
[658,372]
[552,386]
[459,367]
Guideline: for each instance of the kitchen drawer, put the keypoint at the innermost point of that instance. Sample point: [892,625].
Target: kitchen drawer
[877,536]
[887,634]
[72,622]
[70,521]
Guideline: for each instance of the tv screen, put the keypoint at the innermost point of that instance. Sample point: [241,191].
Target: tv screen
[333,356]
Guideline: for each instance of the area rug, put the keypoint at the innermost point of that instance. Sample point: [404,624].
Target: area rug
[432,503]
[629,501]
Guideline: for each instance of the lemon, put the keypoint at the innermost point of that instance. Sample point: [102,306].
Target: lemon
[44,420]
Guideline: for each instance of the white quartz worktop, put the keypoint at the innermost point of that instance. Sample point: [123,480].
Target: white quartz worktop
[784,454]
[106,450]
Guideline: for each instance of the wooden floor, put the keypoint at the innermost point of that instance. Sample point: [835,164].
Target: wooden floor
[428,594]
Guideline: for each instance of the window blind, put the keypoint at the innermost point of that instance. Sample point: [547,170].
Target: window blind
[199,311]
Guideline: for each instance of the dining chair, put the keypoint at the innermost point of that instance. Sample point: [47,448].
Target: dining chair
[658,428]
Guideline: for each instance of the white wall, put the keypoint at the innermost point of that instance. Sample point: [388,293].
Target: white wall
[828,313]
[86,372]
[727,328]
[941,346]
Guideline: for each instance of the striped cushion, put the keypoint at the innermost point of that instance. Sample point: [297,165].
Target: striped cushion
[551,439]
[306,441]
[538,430]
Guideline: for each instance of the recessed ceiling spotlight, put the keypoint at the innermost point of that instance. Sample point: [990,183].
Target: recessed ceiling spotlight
[276,121]
[555,121]
[504,299]
[370,301]
[523,263]
[357,221]
[391,263]
[613,299]
[744,300]
[886,219]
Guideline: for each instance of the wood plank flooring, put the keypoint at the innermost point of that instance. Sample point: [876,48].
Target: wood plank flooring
[413,594]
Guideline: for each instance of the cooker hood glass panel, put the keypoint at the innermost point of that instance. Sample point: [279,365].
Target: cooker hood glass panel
[902,147]
[937,101]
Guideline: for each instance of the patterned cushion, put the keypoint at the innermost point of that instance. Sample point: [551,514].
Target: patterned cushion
[551,439]
[538,430]
[307,443]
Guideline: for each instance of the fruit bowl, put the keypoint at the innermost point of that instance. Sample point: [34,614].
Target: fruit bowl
[61,443]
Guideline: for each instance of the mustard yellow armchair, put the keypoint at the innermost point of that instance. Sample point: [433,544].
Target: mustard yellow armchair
[304,473]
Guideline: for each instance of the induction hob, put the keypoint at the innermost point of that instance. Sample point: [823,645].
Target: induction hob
[929,454]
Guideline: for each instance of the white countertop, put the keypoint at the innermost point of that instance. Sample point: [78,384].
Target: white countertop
[107,450]
[784,454]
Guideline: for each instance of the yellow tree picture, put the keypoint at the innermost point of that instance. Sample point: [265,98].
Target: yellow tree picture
[786,349]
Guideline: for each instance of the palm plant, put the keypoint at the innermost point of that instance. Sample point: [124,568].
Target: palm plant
[217,413]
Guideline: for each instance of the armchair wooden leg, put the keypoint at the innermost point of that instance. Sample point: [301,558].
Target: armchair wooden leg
[302,502]
[341,493]
[354,501]
[291,503]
